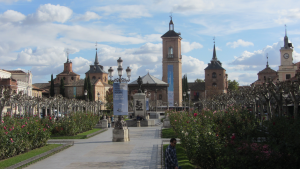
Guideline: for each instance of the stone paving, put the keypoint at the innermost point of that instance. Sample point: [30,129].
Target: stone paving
[143,151]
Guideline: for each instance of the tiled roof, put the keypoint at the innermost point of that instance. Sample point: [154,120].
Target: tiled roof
[214,65]
[80,82]
[68,74]
[42,85]
[267,70]
[148,79]
[15,71]
[198,86]
[107,85]
[96,69]
[171,33]
[36,88]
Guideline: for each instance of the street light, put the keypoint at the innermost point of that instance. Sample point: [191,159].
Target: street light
[120,80]
[85,94]
[189,93]
[184,94]
[99,105]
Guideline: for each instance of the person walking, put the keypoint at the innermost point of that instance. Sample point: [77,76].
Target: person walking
[109,121]
[170,156]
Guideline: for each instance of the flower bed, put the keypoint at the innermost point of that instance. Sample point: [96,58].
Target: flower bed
[233,138]
[18,135]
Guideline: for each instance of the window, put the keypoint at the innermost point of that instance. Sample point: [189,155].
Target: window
[105,79]
[64,78]
[214,84]
[72,78]
[287,76]
[94,77]
[214,75]
[207,74]
[170,53]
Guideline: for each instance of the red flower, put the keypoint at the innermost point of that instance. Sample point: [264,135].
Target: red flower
[228,127]
[263,118]
[195,114]
[6,133]
[25,122]
[62,129]
[4,128]
[11,140]
[226,112]
[187,121]
[50,118]
[9,129]
[233,137]
[27,132]
[44,129]
[273,123]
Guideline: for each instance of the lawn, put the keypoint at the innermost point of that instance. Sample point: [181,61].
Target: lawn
[16,159]
[183,161]
[78,136]
[168,133]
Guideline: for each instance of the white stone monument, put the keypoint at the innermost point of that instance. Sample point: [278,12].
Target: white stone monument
[120,132]
[104,123]
[167,122]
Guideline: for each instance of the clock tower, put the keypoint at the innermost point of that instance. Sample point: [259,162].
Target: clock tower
[287,67]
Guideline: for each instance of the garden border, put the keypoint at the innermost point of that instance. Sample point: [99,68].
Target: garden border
[97,132]
[66,144]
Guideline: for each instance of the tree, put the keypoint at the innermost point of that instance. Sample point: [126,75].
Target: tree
[62,87]
[89,88]
[199,80]
[52,87]
[110,82]
[233,85]
[185,85]
[109,99]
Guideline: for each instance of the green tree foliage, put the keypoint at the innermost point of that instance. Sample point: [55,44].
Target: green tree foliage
[110,82]
[109,99]
[89,87]
[233,85]
[52,87]
[185,85]
[199,80]
[62,87]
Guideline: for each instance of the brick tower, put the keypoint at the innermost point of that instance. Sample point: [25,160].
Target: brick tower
[171,64]
[215,77]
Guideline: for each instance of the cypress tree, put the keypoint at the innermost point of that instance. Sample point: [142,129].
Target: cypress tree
[62,87]
[52,87]
[89,86]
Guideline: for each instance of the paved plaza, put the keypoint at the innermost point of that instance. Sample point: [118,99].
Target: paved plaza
[142,151]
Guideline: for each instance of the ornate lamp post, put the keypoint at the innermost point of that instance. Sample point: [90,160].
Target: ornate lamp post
[120,73]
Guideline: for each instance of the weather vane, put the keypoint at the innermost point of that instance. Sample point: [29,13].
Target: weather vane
[96,45]
[214,39]
[171,15]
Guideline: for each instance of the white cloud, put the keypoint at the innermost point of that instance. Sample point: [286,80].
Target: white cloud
[51,13]
[193,67]
[87,17]
[192,6]
[125,11]
[187,46]
[11,16]
[11,1]
[290,15]
[238,43]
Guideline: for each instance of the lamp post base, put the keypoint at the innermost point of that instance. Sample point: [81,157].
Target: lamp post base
[120,132]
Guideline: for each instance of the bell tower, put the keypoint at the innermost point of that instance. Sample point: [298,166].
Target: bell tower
[171,64]
[287,68]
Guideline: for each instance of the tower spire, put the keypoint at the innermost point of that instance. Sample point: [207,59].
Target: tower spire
[171,24]
[286,39]
[285,30]
[96,57]
[214,51]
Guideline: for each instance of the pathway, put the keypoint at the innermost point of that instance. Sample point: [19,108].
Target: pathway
[142,152]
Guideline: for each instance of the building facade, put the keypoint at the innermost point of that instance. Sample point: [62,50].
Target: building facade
[172,65]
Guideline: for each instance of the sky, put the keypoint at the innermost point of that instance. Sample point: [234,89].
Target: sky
[36,35]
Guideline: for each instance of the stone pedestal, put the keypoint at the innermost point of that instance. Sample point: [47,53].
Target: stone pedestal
[138,124]
[104,123]
[167,123]
[120,135]
[147,117]
[139,104]
[120,132]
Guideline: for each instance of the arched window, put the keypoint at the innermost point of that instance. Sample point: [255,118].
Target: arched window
[214,84]
[105,79]
[72,78]
[170,52]
[214,75]
[94,77]
[64,78]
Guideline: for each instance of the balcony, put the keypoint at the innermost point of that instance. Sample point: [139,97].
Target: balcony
[170,55]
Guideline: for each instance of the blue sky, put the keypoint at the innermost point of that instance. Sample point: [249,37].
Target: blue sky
[35,34]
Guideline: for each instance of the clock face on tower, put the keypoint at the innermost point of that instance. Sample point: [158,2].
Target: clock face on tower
[286,55]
